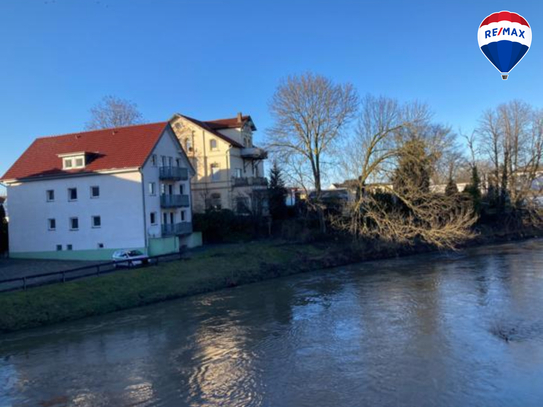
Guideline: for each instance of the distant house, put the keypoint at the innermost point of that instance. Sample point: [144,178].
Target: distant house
[229,167]
[85,195]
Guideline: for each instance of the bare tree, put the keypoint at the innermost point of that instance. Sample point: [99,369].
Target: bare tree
[111,112]
[309,112]
[399,142]
[510,137]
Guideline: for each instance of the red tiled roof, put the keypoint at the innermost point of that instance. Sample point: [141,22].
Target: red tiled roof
[117,148]
[212,130]
[230,123]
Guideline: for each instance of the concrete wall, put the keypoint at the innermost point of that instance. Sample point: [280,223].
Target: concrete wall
[167,147]
[119,206]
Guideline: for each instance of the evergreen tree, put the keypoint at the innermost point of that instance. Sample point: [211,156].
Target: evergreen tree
[451,189]
[277,193]
[414,168]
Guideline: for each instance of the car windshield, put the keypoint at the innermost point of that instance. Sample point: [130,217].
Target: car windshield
[135,253]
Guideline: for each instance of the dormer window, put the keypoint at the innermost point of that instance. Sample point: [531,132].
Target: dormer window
[73,160]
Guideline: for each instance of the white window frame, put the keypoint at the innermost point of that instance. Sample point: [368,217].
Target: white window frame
[71,224]
[93,224]
[183,216]
[47,195]
[70,194]
[65,163]
[59,247]
[91,190]
[152,188]
[215,176]
[49,224]
[151,216]
[238,173]
[69,247]
[154,160]
[213,146]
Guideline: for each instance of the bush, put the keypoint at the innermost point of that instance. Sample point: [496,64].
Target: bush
[223,225]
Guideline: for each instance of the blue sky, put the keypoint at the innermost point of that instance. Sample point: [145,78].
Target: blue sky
[211,59]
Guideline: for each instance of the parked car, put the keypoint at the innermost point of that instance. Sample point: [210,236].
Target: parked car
[129,258]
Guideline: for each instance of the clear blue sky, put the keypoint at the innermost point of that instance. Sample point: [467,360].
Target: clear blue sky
[211,59]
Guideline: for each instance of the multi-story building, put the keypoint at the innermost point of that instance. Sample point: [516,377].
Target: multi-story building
[229,168]
[85,195]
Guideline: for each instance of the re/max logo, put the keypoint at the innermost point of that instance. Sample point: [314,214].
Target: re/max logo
[495,32]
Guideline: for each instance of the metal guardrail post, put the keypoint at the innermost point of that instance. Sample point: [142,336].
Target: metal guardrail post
[63,276]
[24,283]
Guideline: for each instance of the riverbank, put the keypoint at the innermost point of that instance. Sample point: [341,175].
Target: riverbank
[209,270]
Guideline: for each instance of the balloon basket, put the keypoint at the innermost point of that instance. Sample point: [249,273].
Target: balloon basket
[504,77]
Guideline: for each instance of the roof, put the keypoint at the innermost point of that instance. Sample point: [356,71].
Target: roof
[231,123]
[213,130]
[108,149]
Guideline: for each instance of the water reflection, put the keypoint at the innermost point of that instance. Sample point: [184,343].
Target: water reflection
[435,330]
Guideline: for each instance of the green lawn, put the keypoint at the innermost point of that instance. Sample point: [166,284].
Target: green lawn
[212,269]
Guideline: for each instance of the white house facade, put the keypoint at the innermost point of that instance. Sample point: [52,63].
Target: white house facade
[83,196]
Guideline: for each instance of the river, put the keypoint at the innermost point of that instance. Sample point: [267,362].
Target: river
[454,329]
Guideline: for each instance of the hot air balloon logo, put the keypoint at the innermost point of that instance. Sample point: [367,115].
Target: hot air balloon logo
[504,38]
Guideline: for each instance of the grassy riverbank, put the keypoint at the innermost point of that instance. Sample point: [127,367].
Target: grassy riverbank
[209,270]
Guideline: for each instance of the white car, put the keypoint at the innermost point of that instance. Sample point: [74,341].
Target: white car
[129,258]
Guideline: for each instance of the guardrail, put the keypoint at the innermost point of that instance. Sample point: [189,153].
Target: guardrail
[55,277]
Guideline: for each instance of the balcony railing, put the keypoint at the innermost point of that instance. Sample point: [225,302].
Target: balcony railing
[174,229]
[254,153]
[174,173]
[174,201]
[249,181]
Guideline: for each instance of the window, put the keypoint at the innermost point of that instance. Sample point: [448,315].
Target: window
[74,223]
[100,245]
[69,247]
[215,174]
[72,194]
[96,221]
[213,144]
[182,216]
[152,188]
[68,164]
[177,162]
[163,161]
[59,247]
[181,189]
[50,193]
[170,161]
[162,189]
[52,224]
[242,205]
[153,218]
[79,162]
[153,160]
[237,173]
[215,201]
[95,192]
[188,144]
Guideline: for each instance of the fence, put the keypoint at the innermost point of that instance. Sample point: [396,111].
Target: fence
[55,277]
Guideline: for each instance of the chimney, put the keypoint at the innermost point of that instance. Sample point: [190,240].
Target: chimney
[240,117]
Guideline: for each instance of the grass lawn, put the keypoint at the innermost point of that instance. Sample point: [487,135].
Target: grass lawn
[209,270]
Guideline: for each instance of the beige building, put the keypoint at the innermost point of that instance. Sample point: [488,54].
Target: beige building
[229,168]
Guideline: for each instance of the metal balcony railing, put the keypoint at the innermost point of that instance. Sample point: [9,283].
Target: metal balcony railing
[174,173]
[174,201]
[254,153]
[174,229]
[249,181]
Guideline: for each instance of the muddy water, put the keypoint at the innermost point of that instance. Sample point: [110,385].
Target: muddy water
[462,329]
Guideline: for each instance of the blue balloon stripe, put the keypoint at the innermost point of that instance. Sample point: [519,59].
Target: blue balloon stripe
[504,54]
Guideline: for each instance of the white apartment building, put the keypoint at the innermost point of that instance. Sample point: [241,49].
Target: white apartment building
[85,195]
[229,167]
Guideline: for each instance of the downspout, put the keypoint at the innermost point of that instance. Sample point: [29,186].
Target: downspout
[144,210]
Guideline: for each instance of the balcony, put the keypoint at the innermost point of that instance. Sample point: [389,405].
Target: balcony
[250,181]
[174,229]
[174,201]
[254,153]
[174,173]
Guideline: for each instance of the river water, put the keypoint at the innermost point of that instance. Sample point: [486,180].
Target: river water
[461,329]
